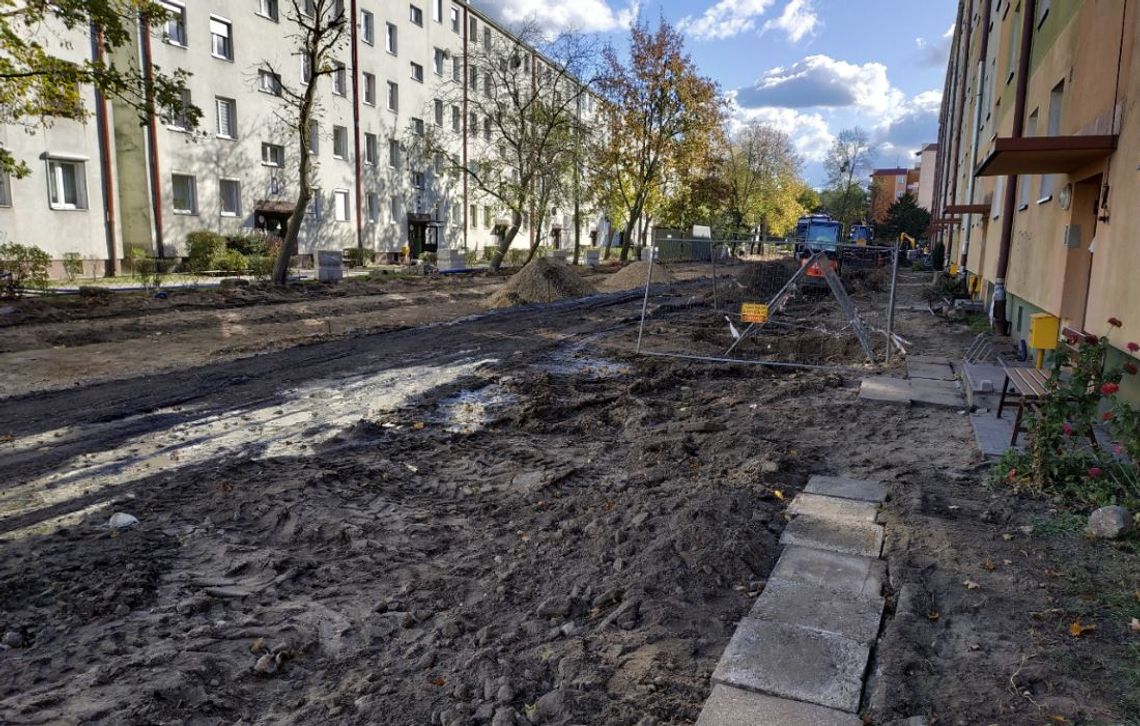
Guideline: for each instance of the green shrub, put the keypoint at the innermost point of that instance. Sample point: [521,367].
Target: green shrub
[357,257]
[203,248]
[249,244]
[261,267]
[231,261]
[152,271]
[428,258]
[22,266]
[72,265]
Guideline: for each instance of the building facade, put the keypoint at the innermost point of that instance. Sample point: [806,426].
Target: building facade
[926,163]
[401,74]
[1038,190]
[887,185]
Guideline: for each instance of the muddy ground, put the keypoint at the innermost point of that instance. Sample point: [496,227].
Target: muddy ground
[514,519]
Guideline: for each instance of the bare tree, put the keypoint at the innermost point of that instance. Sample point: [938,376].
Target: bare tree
[522,121]
[847,164]
[319,30]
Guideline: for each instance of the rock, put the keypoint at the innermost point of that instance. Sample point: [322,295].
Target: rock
[554,607]
[484,713]
[12,639]
[122,520]
[506,694]
[504,716]
[266,665]
[1109,523]
[549,708]
[488,689]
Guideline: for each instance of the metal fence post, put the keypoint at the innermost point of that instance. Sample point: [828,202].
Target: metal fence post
[891,304]
[645,300]
[712,256]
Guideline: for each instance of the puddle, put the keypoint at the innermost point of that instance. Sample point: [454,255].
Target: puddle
[470,411]
[294,425]
[562,363]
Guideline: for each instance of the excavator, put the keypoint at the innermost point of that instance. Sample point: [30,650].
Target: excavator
[818,233]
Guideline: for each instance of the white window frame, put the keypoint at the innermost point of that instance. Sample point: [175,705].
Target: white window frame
[340,139]
[394,154]
[419,180]
[272,155]
[57,187]
[417,72]
[180,37]
[231,105]
[455,20]
[314,138]
[394,208]
[269,9]
[393,97]
[371,149]
[368,27]
[414,11]
[341,211]
[417,126]
[222,183]
[456,69]
[340,79]
[437,61]
[176,119]
[372,203]
[391,39]
[5,189]
[192,195]
[314,208]
[227,53]
[437,111]
[369,89]
[275,80]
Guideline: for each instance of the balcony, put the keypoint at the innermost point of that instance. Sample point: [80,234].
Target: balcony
[1045,154]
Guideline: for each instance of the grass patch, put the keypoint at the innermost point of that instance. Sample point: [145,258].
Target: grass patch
[1063,525]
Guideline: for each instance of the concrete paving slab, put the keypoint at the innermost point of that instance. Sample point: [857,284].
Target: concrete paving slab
[850,537]
[992,434]
[820,608]
[936,393]
[885,389]
[852,574]
[839,486]
[729,706]
[824,507]
[933,371]
[932,359]
[798,663]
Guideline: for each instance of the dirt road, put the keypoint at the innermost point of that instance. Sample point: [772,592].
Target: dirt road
[505,519]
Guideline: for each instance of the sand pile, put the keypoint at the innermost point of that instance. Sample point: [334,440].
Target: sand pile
[543,279]
[633,276]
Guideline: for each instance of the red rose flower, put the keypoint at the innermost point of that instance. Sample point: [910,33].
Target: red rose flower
[1133,347]
[1095,471]
[1072,338]
[1131,369]
[1109,388]
[1091,339]
[1067,429]
[1115,322]
[1108,415]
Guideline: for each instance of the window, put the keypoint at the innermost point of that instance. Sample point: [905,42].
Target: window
[473,128]
[176,117]
[394,208]
[1025,182]
[393,153]
[273,155]
[314,138]
[221,39]
[474,35]
[455,19]
[416,15]
[1052,128]
[487,86]
[418,126]
[268,82]
[438,112]
[393,96]
[473,220]
[996,201]
[455,119]
[340,81]
[487,128]
[340,142]
[487,216]
[1014,41]
[390,41]
[437,163]
[371,153]
[372,202]
[370,89]
[1042,11]
[456,70]
[437,61]
[368,27]
[417,180]
[437,11]
[185,196]
[231,197]
[417,72]
[268,9]
[306,71]
[174,31]
[314,208]
[487,37]
[67,184]
[340,205]
[308,8]
[474,76]
[227,117]
[5,190]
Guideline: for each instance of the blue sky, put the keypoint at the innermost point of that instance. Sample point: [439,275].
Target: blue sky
[808,67]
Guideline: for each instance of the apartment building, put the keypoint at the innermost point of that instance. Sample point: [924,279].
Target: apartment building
[1037,187]
[887,185]
[925,167]
[377,187]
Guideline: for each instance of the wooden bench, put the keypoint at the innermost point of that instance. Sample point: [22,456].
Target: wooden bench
[1030,385]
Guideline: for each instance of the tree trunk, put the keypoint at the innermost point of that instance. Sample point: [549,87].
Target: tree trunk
[505,242]
[289,244]
[626,236]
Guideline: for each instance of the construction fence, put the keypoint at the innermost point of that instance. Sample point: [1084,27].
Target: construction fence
[773,303]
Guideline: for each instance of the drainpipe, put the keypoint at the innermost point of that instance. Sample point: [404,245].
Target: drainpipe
[959,97]
[356,125]
[1029,13]
[466,166]
[105,172]
[983,51]
[152,137]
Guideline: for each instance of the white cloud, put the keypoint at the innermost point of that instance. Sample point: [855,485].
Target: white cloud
[725,19]
[798,19]
[819,80]
[809,132]
[935,53]
[584,15]
[913,124]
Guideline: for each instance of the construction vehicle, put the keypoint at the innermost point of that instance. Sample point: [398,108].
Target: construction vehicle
[861,234]
[818,233]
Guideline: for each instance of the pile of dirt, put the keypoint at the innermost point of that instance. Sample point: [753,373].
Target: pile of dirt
[543,279]
[633,276]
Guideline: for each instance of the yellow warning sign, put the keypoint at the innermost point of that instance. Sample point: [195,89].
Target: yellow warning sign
[754,312]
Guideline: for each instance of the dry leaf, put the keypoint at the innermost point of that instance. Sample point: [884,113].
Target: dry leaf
[1059,718]
[418,425]
[971,585]
[1134,626]
[1077,628]
[1051,573]
[440,681]
[778,494]
[257,645]
[933,615]
[1007,537]
[989,565]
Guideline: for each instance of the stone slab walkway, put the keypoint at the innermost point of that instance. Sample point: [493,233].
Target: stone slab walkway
[800,655]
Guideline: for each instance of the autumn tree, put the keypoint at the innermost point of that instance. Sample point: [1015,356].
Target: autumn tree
[660,116]
[847,164]
[38,86]
[763,181]
[525,116]
[318,29]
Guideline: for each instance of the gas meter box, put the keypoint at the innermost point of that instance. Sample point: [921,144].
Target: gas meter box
[1044,330]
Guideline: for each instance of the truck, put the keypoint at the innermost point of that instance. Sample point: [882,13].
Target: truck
[818,233]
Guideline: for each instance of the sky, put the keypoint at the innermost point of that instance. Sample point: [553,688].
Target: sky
[811,68]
